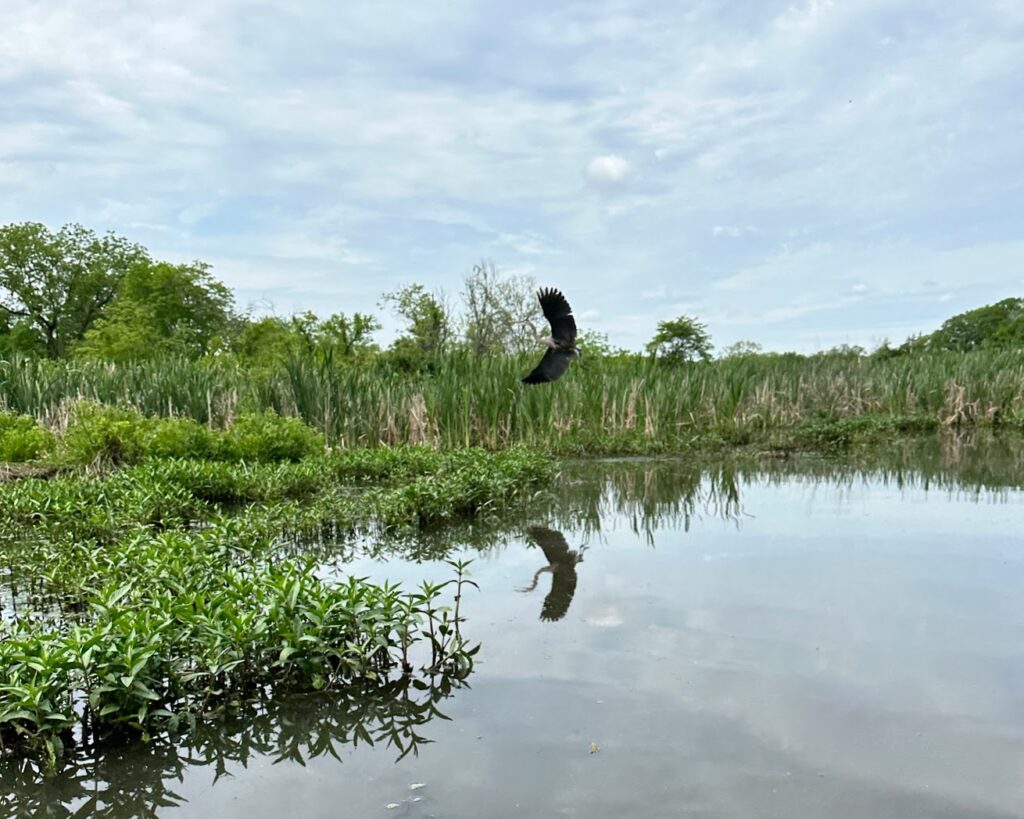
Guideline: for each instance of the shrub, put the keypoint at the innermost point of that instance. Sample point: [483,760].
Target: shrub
[179,438]
[98,433]
[22,439]
[270,437]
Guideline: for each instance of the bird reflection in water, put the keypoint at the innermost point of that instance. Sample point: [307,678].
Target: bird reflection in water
[561,564]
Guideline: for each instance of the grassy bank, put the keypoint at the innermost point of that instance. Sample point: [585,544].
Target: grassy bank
[629,404]
[143,599]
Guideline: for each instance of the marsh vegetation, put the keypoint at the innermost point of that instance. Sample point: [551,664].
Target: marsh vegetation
[611,404]
[147,598]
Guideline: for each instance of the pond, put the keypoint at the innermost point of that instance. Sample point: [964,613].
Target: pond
[792,638]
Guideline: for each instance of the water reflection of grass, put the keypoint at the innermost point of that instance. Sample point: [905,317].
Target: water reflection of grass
[128,780]
[672,492]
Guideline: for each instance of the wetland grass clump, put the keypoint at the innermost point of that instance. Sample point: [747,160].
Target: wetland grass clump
[23,439]
[145,599]
[609,404]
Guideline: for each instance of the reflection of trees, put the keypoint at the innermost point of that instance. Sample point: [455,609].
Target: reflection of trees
[138,780]
[971,463]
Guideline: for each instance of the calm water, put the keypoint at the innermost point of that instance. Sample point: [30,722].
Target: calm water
[799,639]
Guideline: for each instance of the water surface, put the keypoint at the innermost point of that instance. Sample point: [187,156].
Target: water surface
[662,639]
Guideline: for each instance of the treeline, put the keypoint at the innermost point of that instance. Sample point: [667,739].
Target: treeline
[72,294]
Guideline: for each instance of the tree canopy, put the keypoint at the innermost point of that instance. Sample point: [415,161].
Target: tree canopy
[681,339]
[428,324]
[56,285]
[159,309]
[998,326]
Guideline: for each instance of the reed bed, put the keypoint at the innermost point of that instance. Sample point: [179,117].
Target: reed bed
[614,404]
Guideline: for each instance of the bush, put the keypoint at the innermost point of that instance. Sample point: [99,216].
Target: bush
[270,437]
[22,439]
[179,438]
[97,433]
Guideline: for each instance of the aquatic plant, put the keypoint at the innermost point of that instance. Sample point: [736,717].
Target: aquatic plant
[155,596]
[297,728]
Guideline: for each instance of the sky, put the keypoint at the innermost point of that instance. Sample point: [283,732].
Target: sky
[799,174]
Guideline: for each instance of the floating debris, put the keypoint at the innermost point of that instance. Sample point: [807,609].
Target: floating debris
[393,805]
[415,786]
[594,747]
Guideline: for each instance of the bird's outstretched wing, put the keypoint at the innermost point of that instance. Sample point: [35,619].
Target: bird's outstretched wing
[563,587]
[559,315]
[553,365]
[552,543]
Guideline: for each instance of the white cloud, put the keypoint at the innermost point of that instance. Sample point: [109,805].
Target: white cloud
[610,168]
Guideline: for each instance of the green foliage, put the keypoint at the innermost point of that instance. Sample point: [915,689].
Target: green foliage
[842,351]
[998,326]
[841,433]
[22,438]
[99,433]
[17,337]
[613,403]
[337,340]
[428,328]
[740,349]
[593,344]
[178,437]
[58,284]
[267,339]
[269,437]
[681,339]
[178,603]
[161,309]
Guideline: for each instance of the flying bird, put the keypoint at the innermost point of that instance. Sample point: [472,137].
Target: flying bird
[562,564]
[561,343]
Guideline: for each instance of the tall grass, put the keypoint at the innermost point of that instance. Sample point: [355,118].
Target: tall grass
[622,403]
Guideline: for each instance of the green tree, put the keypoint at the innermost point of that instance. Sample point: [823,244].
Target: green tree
[429,325]
[162,308]
[595,344]
[18,337]
[741,349]
[681,339]
[59,284]
[338,336]
[263,339]
[999,325]
[344,336]
[842,351]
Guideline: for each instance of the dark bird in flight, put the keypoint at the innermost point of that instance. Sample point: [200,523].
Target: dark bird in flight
[561,343]
[562,564]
